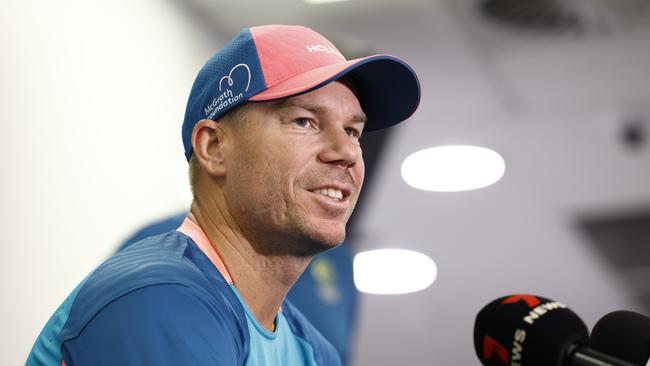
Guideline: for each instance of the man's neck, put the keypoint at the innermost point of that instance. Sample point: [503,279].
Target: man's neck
[262,281]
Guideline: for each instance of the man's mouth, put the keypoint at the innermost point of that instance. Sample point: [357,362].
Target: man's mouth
[333,193]
[337,194]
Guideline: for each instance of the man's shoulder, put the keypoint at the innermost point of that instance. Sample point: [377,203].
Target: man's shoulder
[161,259]
[156,228]
[169,259]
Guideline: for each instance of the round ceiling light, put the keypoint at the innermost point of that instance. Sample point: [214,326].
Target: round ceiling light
[393,271]
[453,168]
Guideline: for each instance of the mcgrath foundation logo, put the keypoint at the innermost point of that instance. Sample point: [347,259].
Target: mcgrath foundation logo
[231,90]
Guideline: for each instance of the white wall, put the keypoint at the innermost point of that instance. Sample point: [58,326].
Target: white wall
[92,96]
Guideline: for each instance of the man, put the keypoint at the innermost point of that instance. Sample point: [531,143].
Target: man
[274,181]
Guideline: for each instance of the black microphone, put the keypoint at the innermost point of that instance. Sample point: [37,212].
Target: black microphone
[623,334]
[529,330]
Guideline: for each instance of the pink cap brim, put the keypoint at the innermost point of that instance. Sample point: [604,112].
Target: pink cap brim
[389,90]
[306,81]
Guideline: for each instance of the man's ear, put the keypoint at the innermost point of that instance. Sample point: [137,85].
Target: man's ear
[208,146]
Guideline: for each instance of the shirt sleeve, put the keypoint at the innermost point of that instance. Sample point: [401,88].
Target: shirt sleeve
[164,324]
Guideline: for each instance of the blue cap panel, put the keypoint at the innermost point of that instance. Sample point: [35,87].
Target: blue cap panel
[229,78]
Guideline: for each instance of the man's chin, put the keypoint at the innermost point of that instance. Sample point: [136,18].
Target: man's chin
[329,236]
[304,243]
[316,244]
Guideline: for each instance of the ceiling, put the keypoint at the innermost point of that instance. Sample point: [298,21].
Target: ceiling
[557,103]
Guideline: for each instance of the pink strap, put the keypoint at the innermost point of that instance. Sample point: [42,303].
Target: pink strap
[197,234]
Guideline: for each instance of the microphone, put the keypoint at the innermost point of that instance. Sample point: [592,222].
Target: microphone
[529,330]
[623,334]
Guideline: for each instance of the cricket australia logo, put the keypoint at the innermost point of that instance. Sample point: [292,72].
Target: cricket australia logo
[227,86]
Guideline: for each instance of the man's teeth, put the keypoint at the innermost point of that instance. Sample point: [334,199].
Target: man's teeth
[330,192]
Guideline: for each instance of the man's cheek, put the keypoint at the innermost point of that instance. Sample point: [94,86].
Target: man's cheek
[360,176]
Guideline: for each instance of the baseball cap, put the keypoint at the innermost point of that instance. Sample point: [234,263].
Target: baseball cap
[279,61]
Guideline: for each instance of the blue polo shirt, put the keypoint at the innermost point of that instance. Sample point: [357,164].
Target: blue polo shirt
[169,300]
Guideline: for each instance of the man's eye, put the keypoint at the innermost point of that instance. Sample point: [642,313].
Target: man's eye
[302,122]
[353,132]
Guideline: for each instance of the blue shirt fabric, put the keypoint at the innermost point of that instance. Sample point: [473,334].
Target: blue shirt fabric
[325,293]
[163,302]
[327,296]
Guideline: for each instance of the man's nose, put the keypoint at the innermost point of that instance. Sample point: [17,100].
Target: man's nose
[341,148]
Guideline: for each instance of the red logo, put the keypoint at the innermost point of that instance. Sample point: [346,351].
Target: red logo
[492,347]
[531,300]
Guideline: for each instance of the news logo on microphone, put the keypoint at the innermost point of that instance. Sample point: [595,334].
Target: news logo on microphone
[527,330]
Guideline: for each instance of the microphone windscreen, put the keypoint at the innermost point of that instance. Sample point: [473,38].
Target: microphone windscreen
[623,334]
[527,330]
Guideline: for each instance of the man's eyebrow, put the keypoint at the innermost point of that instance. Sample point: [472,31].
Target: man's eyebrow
[315,109]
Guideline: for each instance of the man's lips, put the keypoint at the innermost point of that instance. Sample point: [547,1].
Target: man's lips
[333,191]
[334,206]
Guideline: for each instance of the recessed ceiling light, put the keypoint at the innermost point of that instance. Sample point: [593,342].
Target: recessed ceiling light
[393,271]
[453,168]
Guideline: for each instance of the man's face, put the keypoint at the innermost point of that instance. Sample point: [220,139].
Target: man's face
[294,171]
